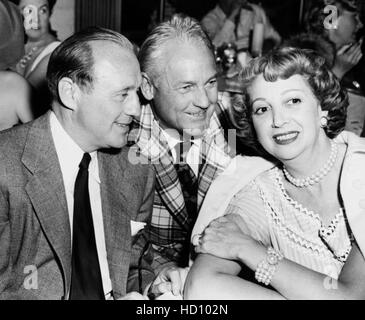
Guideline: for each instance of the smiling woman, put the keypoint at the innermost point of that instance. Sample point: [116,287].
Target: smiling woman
[297,220]
[311,83]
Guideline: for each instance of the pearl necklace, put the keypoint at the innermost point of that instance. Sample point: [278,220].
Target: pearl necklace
[317,176]
[24,61]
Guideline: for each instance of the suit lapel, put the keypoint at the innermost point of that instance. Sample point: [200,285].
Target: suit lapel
[153,146]
[115,188]
[46,191]
[169,189]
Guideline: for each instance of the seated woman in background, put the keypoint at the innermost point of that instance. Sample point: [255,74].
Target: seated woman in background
[40,43]
[343,34]
[300,225]
[15,91]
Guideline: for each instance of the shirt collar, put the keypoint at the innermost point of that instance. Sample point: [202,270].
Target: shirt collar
[173,139]
[70,154]
[152,140]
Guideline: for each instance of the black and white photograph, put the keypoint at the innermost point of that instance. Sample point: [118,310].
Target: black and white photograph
[195,152]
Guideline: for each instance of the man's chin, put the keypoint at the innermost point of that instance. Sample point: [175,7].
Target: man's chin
[117,144]
[194,132]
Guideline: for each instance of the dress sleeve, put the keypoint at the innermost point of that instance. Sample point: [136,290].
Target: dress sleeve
[249,207]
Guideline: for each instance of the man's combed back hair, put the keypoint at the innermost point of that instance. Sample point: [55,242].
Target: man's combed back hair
[178,27]
[73,58]
[282,64]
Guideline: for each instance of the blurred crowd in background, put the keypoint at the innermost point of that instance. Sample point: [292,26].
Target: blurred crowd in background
[239,29]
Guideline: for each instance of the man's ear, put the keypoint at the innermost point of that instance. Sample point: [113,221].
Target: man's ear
[147,87]
[68,92]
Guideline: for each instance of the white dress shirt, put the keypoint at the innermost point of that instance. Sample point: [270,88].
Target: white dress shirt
[70,155]
[192,157]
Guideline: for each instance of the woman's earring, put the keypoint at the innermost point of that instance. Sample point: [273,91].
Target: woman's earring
[324,122]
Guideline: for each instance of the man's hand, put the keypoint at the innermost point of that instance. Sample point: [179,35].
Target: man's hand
[169,279]
[347,57]
[223,238]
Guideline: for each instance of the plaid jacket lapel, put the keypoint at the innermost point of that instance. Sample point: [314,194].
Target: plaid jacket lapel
[153,145]
[214,157]
[169,188]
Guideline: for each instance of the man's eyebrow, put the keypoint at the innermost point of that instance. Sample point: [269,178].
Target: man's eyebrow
[212,77]
[180,82]
[128,88]
[184,82]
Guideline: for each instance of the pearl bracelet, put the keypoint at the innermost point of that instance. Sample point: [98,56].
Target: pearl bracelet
[267,267]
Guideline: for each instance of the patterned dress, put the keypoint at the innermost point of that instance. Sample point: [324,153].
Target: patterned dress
[274,219]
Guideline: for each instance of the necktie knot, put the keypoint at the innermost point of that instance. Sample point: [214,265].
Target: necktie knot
[84,164]
[182,149]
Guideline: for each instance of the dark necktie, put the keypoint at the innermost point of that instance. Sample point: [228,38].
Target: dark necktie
[86,281]
[189,187]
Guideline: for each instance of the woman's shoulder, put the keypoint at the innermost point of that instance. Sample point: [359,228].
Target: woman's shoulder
[263,182]
[12,81]
[249,204]
[267,176]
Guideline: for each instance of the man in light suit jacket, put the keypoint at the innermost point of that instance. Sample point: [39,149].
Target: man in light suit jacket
[94,77]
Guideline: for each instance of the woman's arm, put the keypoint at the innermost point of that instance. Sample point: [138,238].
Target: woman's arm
[17,97]
[225,239]
[24,101]
[297,282]
[212,278]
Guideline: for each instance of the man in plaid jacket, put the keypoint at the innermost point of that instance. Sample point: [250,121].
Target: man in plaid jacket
[179,80]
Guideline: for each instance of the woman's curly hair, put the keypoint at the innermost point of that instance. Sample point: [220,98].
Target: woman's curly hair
[283,63]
